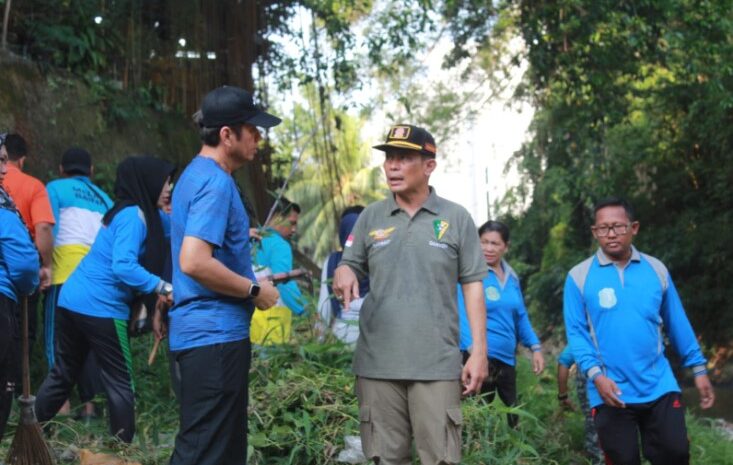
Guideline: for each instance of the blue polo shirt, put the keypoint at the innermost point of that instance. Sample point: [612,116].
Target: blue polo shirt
[275,253]
[110,276]
[629,309]
[506,317]
[18,257]
[207,205]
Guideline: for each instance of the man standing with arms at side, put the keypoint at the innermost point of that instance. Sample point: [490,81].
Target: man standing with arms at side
[617,303]
[415,247]
[215,291]
[31,199]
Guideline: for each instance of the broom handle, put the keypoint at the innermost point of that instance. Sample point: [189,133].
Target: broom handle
[26,357]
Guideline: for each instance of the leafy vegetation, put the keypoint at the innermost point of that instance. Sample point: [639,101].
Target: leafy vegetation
[302,405]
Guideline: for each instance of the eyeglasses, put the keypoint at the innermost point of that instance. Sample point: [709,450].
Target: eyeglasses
[603,231]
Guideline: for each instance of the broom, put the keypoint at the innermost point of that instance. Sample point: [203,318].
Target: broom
[28,447]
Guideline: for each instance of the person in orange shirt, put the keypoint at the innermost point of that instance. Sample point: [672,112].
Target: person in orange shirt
[31,199]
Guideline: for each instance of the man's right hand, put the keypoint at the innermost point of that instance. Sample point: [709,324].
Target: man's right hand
[609,391]
[345,285]
[268,296]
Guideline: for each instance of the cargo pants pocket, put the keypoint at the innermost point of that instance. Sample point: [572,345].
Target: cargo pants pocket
[366,430]
[453,440]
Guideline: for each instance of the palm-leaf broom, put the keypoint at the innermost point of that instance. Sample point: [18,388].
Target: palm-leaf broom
[28,447]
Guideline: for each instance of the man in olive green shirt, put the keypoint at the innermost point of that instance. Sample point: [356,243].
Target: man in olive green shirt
[415,247]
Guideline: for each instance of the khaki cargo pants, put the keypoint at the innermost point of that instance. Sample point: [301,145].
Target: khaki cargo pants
[392,411]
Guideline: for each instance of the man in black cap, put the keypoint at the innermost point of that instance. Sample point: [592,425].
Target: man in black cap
[215,287]
[78,206]
[416,248]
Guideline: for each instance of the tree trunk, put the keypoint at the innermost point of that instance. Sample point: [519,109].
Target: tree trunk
[6,20]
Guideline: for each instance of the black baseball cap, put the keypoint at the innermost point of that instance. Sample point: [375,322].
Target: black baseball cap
[409,137]
[229,105]
[76,160]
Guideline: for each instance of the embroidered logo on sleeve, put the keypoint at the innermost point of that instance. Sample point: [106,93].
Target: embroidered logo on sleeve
[349,241]
[440,227]
[492,293]
[607,297]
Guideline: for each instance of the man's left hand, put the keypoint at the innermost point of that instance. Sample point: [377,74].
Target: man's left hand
[475,371]
[705,388]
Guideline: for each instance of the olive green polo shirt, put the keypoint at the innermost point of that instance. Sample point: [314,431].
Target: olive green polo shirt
[408,322]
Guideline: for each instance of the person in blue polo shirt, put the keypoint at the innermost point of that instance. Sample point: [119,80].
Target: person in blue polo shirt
[19,266]
[506,319]
[216,289]
[618,305]
[123,265]
[274,254]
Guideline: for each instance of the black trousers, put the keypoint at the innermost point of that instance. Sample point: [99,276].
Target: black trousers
[89,383]
[502,380]
[9,357]
[660,423]
[107,338]
[213,402]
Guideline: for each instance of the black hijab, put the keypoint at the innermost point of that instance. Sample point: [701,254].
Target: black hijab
[139,182]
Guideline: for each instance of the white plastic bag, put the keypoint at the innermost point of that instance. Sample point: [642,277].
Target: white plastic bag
[352,453]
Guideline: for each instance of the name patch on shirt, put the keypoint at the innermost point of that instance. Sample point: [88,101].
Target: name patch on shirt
[607,297]
[439,245]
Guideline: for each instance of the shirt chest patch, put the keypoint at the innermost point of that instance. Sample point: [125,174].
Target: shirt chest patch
[492,293]
[381,234]
[440,227]
[607,297]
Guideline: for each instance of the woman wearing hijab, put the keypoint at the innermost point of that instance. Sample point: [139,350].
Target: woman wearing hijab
[344,325]
[123,265]
[506,319]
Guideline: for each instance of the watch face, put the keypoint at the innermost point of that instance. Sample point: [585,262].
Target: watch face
[255,291]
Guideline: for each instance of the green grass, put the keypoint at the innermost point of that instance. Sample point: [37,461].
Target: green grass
[302,405]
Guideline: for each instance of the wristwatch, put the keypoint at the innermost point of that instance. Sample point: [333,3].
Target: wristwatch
[166,289]
[254,289]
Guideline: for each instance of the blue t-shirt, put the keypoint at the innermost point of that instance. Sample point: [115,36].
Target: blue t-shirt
[18,257]
[275,253]
[506,317]
[207,205]
[630,308]
[110,276]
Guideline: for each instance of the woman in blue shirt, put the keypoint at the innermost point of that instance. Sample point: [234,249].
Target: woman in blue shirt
[506,319]
[123,266]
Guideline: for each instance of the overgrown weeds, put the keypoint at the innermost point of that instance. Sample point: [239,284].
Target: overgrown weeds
[302,405]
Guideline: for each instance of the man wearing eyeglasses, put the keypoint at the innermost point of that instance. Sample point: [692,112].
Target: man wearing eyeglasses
[618,304]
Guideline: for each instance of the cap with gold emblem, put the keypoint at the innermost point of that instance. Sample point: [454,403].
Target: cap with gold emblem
[409,137]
